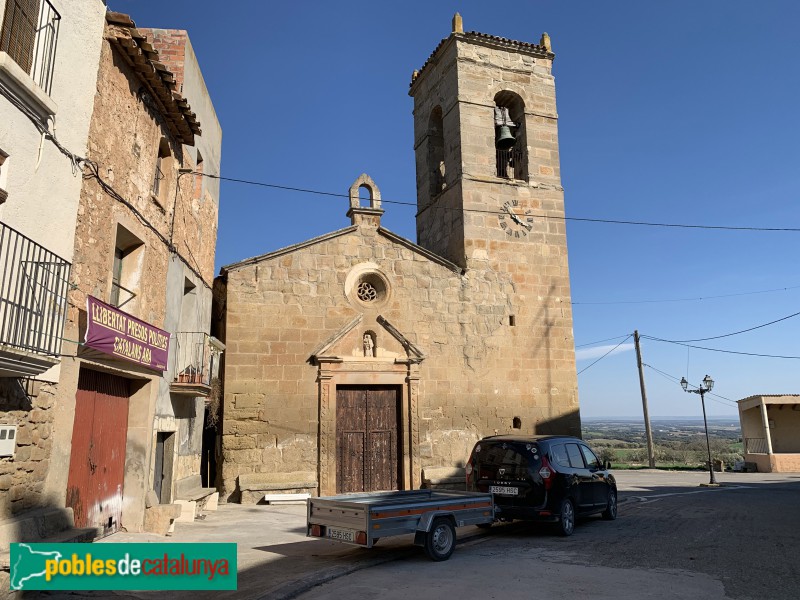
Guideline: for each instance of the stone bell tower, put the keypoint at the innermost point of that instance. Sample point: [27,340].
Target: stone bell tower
[489,199]
[486,144]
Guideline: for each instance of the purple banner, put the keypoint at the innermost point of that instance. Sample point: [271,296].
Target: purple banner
[119,334]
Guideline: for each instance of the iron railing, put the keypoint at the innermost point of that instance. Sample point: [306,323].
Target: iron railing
[755,445]
[193,360]
[31,39]
[33,294]
[511,163]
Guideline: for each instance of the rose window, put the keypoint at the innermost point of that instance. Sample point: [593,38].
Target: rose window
[366,292]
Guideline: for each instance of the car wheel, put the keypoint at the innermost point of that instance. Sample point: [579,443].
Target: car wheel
[440,541]
[610,513]
[566,523]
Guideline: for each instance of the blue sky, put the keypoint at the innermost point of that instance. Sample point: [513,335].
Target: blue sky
[672,112]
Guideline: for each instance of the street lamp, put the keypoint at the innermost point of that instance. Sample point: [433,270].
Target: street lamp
[705,386]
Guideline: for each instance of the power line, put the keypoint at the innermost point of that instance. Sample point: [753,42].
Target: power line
[497,212]
[716,337]
[601,341]
[720,350]
[604,355]
[675,379]
[690,299]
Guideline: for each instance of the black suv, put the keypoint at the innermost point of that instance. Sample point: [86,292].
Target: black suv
[542,478]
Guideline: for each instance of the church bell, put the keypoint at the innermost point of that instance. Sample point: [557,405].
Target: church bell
[505,139]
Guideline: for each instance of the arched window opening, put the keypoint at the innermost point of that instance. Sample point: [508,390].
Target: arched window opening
[436,168]
[365,195]
[510,139]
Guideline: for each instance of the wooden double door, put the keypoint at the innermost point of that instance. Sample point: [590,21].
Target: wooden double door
[367,434]
[97,462]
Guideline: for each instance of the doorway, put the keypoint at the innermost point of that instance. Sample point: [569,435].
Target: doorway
[162,473]
[97,460]
[367,433]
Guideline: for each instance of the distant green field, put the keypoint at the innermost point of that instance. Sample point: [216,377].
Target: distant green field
[677,445]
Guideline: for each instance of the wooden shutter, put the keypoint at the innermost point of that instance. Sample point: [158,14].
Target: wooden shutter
[18,36]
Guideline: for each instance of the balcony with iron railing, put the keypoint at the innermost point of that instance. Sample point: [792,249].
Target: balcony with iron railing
[195,362]
[33,301]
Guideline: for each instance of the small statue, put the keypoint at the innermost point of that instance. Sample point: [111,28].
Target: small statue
[369,345]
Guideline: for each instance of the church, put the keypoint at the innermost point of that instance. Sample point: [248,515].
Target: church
[359,359]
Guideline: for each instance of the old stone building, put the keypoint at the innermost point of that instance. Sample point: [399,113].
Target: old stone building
[49,57]
[357,360]
[124,418]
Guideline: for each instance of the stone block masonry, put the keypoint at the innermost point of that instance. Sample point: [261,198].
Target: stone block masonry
[471,329]
[25,404]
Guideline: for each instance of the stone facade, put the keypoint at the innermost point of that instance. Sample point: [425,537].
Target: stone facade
[164,242]
[472,327]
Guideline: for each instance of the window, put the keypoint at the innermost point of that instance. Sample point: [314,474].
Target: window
[591,460]
[19,31]
[436,166]
[163,164]
[575,458]
[29,36]
[189,319]
[126,269]
[559,455]
[116,276]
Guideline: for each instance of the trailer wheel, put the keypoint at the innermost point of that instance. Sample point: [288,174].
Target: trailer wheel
[440,541]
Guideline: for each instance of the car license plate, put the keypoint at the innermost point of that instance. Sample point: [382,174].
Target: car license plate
[504,490]
[343,535]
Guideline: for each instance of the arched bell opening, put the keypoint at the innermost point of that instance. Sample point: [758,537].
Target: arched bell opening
[510,136]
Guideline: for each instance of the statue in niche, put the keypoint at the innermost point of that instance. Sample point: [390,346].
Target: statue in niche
[369,345]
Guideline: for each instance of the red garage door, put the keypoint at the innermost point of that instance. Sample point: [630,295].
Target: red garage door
[97,463]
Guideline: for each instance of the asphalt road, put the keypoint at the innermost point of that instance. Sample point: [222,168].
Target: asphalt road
[673,539]
[739,541]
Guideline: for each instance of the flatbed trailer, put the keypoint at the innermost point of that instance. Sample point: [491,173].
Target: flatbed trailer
[431,515]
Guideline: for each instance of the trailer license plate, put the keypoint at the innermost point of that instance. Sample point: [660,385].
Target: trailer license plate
[504,490]
[344,535]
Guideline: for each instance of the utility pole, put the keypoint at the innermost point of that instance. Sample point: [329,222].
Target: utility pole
[651,453]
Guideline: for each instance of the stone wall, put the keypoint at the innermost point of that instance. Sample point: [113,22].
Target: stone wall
[477,376]
[22,403]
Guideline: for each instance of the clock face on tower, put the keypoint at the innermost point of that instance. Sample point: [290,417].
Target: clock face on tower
[514,221]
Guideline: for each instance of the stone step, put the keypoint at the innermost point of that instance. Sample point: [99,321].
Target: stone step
[68,536]
[35,525]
